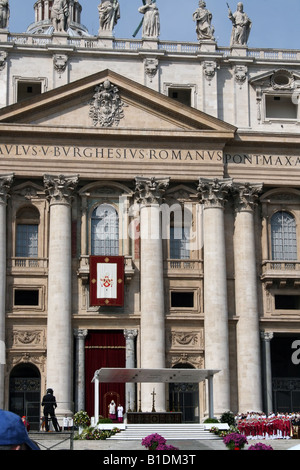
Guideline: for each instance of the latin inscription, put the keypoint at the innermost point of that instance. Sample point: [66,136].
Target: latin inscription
[146,154]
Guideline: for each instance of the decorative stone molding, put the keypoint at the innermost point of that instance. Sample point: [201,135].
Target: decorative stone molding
[130,334]
[240,74]
[60,63]
[186,340]
[27,338]
[282,80]
[151,67]
[150,190]
[266,335]
[5,185]
[209,69]
[38,359]
[106,107]
[214,193]
[196,360]
[247,195]
[59,189]
[80,333]
[3,57]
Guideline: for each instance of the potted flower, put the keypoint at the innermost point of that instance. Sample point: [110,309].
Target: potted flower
[260,446]
[152,441]
[235,441]
[157,442]
[81,420]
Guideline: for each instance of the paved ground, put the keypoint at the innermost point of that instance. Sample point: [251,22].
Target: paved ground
[186,445]
[111,445]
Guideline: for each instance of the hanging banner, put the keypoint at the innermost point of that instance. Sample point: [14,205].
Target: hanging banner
[107,281]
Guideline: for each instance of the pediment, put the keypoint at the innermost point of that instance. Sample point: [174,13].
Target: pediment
[277,79]
[88,103]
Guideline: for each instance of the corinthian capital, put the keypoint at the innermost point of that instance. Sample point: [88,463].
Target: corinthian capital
[246,195]
[214,192]
[59,189]
[150,190]
[5,184]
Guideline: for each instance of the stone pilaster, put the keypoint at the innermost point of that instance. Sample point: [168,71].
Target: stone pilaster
[213,194]
[59,190]
[5,184]
[80,336]
[149,193]
[248,336]
[130,395]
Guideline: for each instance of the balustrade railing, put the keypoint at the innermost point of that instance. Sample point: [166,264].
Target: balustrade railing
[274,267]
[192,267]
[94,42]
[28,263]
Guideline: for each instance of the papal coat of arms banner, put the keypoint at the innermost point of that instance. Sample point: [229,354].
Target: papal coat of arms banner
[107,281]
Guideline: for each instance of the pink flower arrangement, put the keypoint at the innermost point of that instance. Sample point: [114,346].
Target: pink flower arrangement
[260,446]
[156,442]
[234,441]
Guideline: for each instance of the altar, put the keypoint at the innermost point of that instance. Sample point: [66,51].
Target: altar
[124,375]
[153,417]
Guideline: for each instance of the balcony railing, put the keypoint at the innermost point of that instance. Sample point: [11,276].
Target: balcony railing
[283,266]
[282,272]
[183,267]
[16,264]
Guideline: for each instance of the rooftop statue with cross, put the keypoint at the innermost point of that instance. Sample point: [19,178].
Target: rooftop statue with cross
[150,21]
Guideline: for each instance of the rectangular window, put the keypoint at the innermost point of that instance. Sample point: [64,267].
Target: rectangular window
[280,107]
[28,90]
[287,302]
[183,95]
[26,297]
[182,299]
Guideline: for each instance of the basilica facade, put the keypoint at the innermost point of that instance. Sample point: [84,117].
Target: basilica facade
[150,206]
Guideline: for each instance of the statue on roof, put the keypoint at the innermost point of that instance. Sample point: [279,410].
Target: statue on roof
[151,22]
[109,14]
[203,18]
[59,15]
[4,14]
[241,26]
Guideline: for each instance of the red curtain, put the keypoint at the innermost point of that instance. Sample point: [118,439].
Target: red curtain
[104,349]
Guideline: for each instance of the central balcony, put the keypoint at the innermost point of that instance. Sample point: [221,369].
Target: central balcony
[281,272]
[192,268]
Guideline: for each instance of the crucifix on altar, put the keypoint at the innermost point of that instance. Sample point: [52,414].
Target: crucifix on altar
[153,400]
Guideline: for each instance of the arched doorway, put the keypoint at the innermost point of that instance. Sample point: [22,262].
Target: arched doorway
[25,393]
[184,397]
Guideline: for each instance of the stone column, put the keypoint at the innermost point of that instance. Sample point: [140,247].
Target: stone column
[149,192]
[80,336]
[5,184]
[248,335]
[266,337]
[213,195]
[130,395]
[59,190]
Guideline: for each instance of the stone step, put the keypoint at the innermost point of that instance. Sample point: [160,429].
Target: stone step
[168,431]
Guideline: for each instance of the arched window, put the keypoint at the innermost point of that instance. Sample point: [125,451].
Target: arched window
[27,225]
[283,236]
[105,231]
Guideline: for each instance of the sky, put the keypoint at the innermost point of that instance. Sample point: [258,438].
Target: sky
[275,24]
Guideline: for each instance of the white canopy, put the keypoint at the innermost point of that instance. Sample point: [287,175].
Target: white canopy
[123,375]
[115,375]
